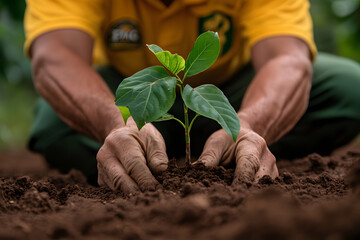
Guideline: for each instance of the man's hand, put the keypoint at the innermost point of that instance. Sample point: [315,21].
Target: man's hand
[250,153]
[274,101]
[63,75]
[128,158]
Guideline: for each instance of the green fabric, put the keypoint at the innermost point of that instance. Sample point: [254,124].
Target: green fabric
[331,120]
[333,115]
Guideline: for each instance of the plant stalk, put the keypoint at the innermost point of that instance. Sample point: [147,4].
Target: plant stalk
[186,126]
[187,136]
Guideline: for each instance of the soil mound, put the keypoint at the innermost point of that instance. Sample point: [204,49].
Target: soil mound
[313,198]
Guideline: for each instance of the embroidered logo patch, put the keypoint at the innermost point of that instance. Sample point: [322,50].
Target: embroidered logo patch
[123,35]
[220,23]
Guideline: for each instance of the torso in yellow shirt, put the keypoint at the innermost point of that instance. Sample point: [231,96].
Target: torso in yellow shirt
[122,28]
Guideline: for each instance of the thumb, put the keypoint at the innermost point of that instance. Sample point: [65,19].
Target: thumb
[157,158]
[218,149]
[155,149]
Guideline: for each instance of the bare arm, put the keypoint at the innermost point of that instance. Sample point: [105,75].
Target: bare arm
[278,95]
[274,102]
[64,77]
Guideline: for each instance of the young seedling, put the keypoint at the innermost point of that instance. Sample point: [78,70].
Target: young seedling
[149,94]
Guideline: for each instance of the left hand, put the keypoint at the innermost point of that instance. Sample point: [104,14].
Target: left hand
[250,153]
[129,158]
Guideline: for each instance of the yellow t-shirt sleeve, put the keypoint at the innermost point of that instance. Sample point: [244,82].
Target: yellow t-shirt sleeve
[261,19]
[44,16]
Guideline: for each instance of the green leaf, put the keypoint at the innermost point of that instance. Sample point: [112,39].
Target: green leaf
[154,48]
[209,101]
[149,94]
[173,62]
[165,117]
[203,54]
[124,112]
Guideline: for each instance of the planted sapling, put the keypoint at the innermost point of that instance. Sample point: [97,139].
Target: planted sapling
[149,94]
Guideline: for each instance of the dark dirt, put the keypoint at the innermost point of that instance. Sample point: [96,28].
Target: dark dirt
[314,198]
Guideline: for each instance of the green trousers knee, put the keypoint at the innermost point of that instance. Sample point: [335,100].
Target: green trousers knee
[331,120]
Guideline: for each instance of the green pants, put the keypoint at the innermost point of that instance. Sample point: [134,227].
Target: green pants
[331,120]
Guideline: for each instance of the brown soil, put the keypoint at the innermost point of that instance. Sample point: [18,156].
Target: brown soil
[314,198]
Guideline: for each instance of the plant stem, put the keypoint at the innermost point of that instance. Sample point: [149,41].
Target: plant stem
[179,122]
[192,121]
[179,79]
[187,136]
[186,125]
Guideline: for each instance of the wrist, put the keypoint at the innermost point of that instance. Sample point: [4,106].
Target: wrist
[245,122]
[111,122]
[248,124]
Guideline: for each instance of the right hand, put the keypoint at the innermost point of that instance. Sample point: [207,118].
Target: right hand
[250,153]
[129,158]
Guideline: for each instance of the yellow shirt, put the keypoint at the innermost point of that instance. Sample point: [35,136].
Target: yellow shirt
[121,28]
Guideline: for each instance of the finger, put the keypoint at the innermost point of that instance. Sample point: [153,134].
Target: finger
[104,180]
[219,148]
[101,176]
[247,159]
[267,167]
[155,149]
[131,155]
[115,177]
[246,168]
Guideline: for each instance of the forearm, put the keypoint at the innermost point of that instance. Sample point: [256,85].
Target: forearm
[277,97]
[76,92]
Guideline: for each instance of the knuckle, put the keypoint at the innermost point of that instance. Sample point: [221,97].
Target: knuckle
[249,161]
[117,181]
[152,136]
[160,156]
[100,157]
[219,137]
[148,128]
[256,139]
[262,143]
[122,139]
[121,135]
[133,167]
[154,147]
[221,134]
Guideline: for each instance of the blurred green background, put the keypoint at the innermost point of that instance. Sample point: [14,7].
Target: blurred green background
[336,27]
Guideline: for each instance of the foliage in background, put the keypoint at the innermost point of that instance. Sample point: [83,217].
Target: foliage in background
[17,95]
[15,68]
[337,30]
[337,26]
